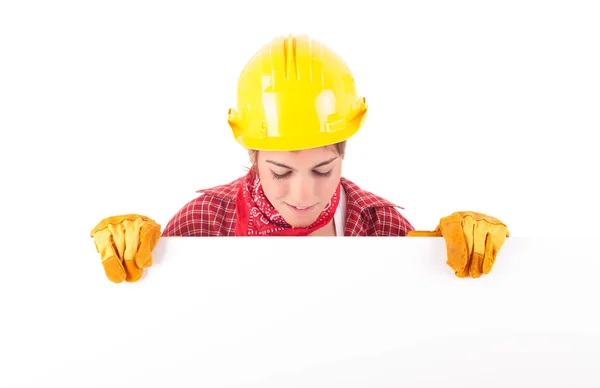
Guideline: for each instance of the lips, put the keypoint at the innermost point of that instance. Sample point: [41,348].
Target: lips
[300,209]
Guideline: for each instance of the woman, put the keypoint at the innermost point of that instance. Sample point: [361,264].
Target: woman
[297,106]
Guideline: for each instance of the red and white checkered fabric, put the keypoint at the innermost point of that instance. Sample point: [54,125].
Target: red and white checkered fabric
[213,214]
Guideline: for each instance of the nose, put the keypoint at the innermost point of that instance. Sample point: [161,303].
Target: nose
[302,191]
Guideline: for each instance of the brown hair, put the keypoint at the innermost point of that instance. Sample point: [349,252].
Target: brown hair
[338,148]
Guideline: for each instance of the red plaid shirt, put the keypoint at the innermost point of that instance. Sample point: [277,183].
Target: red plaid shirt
[213,214]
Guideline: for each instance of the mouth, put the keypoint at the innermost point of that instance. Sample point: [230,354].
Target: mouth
[300,209]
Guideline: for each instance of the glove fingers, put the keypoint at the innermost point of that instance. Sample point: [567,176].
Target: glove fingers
[468,230]
[476,267]
[481,242]
[132,243]
[480,238]
[134,273]
[118,240]
[494,242]
[132,238]
[488,240]
[149,236]
[458,245]
[111,261]
[462,273]
[490,256]
[114,270]
[117,233]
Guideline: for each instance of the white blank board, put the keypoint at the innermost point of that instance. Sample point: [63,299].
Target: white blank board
[299,312]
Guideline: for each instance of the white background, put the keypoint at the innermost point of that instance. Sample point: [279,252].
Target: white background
[307,313]
[120,106]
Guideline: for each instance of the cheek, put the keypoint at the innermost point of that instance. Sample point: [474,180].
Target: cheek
[274,189]
[327,187]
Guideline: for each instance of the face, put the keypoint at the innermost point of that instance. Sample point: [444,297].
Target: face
[299,184]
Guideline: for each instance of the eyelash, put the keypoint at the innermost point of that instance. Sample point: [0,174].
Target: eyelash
[319,174]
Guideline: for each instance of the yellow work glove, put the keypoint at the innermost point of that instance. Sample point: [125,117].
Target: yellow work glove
[125,244]
[472,241]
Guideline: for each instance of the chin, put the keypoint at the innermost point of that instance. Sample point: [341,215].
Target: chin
[300,222]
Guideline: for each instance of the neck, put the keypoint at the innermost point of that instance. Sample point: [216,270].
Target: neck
[327,230]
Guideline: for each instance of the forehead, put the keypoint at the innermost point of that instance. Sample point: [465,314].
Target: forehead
[309,156]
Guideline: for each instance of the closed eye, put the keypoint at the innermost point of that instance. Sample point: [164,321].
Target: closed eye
[317,173]
[280,176]
[323,174]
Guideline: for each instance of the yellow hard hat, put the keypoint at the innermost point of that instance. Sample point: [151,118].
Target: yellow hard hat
[295,93]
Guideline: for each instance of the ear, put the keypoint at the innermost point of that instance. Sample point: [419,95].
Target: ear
[253,156]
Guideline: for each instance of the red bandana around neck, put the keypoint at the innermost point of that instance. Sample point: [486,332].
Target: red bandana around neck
[256,216]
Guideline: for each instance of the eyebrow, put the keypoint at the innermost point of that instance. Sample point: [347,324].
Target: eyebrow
[290,168]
